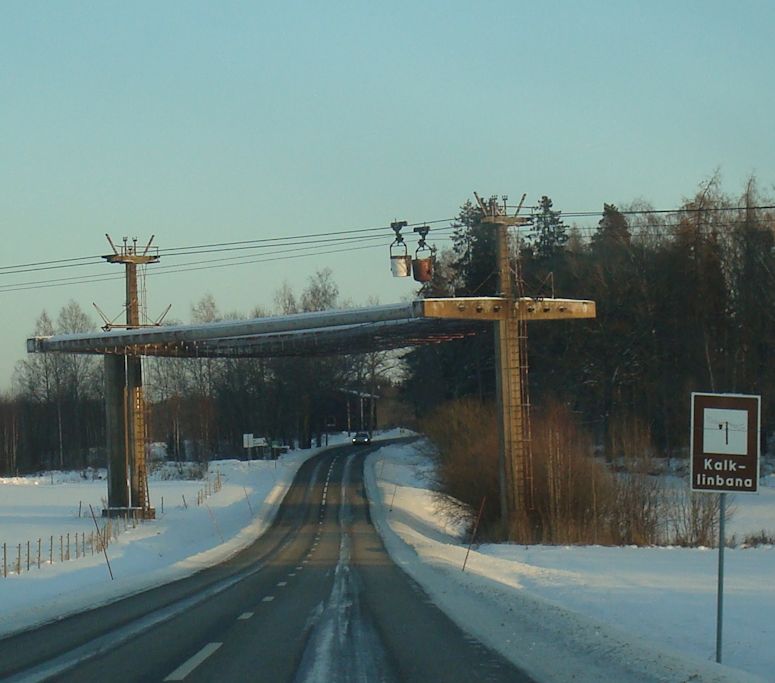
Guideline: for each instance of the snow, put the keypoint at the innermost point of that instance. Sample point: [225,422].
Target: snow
[185,537]
[624,614]
[584,613]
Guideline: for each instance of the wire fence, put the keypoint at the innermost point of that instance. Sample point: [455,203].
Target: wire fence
[46,551]
[63,548]
[210,487]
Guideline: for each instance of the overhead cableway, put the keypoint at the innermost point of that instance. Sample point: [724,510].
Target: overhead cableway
[357,330]
[349,331]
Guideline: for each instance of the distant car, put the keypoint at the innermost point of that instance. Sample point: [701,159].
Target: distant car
[361,437]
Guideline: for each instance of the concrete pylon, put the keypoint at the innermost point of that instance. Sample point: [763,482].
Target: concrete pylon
[116,432]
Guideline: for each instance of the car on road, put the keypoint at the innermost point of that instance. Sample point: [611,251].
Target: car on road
[361,438]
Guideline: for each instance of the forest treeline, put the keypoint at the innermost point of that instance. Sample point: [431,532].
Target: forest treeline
[684,303]
[199,407]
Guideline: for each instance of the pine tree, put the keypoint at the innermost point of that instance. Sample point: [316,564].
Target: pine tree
[549,234]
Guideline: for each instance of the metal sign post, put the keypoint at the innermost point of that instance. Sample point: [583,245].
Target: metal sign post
[720,589]
[247,443]
[724,459]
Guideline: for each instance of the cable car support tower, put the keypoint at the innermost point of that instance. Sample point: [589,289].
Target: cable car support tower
[124,400]
[511,311]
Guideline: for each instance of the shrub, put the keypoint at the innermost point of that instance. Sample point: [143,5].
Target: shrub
[571,492]
[572,497]
[759,538]
[694,517]
[466,439]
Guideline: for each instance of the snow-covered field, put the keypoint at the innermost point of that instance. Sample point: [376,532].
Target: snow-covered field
[567,613]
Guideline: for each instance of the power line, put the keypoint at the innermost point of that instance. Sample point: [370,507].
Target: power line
[176,251]
[182,268]
[634,212]
[311,248]
[304,241]
[311,238]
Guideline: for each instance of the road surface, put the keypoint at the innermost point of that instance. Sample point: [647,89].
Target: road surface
[316,598]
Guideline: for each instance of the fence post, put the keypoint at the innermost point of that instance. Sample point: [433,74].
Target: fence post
[247,498]
[5,562]
[67,556]
[28,556]
[61,548]
[91,509]
[51,550]
[19,560]
[40,542]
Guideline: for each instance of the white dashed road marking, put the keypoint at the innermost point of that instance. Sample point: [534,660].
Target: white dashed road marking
[188,666]
[245,615]
[267,598]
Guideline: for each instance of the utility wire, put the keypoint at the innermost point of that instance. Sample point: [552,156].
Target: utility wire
[182,268]
[634,212]
[175,251]
[318,238]
[230,260]
[203,248]
[321,239]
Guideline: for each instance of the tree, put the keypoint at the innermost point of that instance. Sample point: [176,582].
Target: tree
[613,232]
[285,300]
[202,373]
[302,387]
[64,391]
[81,384]
[464,367]
[549,234]
[474,248]
[10,437]
[751,274]
[168,389]
[321,293]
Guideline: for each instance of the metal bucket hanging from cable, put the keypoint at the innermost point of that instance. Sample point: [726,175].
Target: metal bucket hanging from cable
[400,261]
[422,264]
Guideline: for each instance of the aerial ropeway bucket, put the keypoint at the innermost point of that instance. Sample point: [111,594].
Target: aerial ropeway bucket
[422,266]
[422,269]
[400,263]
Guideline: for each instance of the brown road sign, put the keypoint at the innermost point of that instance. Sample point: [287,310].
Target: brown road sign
[725,443]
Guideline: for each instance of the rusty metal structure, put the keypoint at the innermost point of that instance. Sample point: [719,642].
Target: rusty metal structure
[358,330]
[125,402]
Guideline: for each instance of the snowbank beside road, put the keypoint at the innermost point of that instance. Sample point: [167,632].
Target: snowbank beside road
[183,539]
[581,613]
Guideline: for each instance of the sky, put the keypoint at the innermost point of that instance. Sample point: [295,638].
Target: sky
[204,123]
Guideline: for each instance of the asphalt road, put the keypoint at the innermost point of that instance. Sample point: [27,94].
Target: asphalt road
[316,598]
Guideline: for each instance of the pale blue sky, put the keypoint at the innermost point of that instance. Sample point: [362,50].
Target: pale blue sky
[208,122]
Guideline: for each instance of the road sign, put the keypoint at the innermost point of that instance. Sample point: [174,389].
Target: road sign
[725,443]
[250,441]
